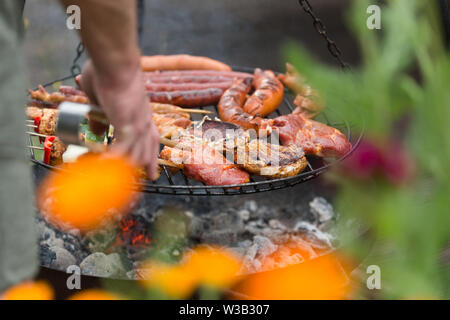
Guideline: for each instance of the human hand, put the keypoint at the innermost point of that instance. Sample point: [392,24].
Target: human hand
[124,101]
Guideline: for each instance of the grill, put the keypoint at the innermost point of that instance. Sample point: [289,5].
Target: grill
[179,184]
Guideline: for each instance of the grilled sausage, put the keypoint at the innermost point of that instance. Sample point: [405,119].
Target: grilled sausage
[268,95]
[158,87]
[181,62]
[190,98]
[204,73]
[230,106]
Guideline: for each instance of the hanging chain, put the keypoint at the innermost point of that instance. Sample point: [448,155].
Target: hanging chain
[322,30]
[76,69]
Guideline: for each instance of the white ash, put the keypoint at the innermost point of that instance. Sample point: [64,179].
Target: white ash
[102,265]
[314,234]
[322,209]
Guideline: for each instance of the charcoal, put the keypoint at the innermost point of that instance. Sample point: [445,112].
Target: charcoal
[46,255]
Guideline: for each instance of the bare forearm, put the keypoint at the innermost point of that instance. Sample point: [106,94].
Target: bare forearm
[108,30]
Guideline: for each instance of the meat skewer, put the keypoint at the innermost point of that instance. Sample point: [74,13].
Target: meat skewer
[56,97]
[168,118]
[44,99]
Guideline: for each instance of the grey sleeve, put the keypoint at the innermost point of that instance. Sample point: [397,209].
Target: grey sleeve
[18,249]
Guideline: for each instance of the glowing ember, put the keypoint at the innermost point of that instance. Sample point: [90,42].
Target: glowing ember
[133,231]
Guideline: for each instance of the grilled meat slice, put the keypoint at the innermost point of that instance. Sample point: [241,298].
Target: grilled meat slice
[314,137]
[270,160]
[169,124]
[256,156]
[205,164]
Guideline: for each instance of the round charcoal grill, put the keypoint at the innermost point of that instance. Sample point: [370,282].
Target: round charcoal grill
[179,184]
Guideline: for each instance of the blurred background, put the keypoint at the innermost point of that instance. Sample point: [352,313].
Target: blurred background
[241,33]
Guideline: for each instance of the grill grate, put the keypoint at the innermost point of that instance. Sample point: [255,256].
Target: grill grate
[179,184]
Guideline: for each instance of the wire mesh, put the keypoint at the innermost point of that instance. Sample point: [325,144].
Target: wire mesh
[180,184]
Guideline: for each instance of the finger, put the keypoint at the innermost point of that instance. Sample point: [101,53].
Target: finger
[86,82]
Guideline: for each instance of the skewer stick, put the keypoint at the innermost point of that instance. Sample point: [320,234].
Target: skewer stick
[37,134]
[35,148]
[31,126]
[167,142]
[195,111]
[171,164]
[161,107]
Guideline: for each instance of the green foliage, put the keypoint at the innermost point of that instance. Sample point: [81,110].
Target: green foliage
[412,220]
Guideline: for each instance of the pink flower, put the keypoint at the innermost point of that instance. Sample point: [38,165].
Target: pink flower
[364,161]
[388,160]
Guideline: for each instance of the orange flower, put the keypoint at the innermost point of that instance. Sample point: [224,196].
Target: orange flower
[177,281]
[322,278]
[86,193]
[208,266]
[94,294]
[214,267]
[39,290]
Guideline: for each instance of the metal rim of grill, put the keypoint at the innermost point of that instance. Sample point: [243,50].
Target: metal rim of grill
[179,184]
